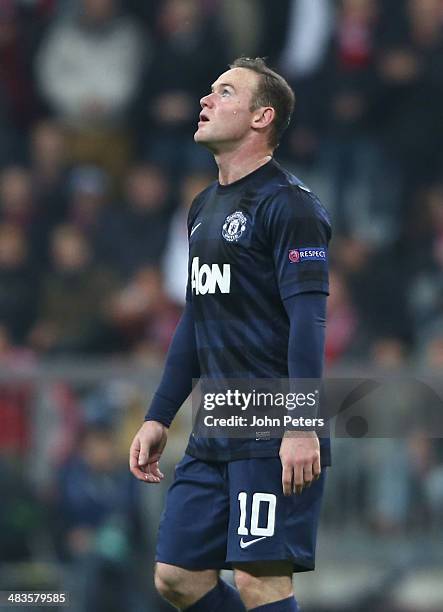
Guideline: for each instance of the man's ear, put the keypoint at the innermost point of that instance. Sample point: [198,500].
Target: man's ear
[263,117]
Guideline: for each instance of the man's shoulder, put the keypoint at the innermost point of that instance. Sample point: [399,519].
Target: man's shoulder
[287,194]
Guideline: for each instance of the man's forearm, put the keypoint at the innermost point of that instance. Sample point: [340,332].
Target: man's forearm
[181,368]
[307,317]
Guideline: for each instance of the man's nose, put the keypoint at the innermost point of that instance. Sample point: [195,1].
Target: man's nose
[206,100]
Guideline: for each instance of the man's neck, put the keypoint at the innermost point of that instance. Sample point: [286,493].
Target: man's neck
[234,165]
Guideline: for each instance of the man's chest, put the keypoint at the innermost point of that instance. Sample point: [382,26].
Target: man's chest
[227,231]
[227,248]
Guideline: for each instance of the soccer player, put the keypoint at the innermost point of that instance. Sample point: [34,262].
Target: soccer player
[256,308]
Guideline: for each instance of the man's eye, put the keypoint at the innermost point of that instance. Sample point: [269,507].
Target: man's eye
[225,92]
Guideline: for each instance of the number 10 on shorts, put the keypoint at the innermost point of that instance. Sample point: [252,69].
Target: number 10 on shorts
[258,498]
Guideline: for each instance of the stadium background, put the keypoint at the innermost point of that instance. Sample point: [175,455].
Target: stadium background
[98,103]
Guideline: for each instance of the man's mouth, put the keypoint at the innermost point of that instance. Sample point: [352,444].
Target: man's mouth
[203,118]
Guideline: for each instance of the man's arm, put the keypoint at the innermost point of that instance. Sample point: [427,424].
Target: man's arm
[181,368]
[298,229]
[300,451]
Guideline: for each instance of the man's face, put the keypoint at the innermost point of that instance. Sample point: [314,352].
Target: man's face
[226,118]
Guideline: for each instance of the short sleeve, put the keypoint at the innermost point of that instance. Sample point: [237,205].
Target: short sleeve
[299,231]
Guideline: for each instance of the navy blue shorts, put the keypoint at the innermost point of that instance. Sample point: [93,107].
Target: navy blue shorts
[219,514]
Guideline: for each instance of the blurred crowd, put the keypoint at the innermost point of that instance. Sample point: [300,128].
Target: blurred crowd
[98,104]
[99,101]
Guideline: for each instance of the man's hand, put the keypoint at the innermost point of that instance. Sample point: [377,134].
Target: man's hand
[146,450]
[300,458]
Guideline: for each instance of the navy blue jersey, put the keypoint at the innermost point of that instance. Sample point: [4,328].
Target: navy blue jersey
[252,244]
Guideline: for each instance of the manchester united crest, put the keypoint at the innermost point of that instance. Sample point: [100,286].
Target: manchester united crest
[234,226]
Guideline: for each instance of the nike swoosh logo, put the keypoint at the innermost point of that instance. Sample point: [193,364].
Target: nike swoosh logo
[194,228]
[246,544]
